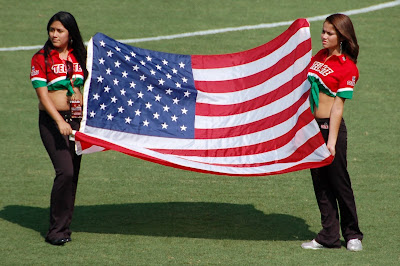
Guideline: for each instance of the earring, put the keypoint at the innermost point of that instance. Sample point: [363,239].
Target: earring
[341,47]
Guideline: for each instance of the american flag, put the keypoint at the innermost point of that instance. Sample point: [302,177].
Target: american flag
[244,114]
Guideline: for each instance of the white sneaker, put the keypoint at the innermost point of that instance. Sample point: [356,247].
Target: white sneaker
[354,245]
[312,245]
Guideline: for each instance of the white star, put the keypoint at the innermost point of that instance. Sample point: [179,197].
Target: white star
[92,114]
[110,54]
[133,84]
[127,58]
[150,88]
[156,115]
[165,62]
[124,74]
[148,105]
[148,58]
[123,91]
[169,91]
[102,44]
[96,96]
[130,102]
[181,65]
[185,80]
[116,81]
[140,95]
[133,54]
[117,48]
[103,106]
[174,118]
[187,93]
[114,99]
[183,128]
[117,64]
[158,67]
[101,61]
[174,71]
[107,89]
[135,68]
[108,71]
[158,98]
[100,79]
[178,85]
[176,101]
[143,63]
[121,109]
[110,117]
[137,112]
[128,120]
[143,78]
[184,111]
[164,125]
[161,82]
[152,72]
[168,76]
[166,108]
[146,123]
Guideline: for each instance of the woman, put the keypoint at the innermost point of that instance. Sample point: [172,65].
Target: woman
[333,74]
[57,75]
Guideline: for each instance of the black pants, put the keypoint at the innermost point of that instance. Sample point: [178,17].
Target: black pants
[332,188]
[66,165]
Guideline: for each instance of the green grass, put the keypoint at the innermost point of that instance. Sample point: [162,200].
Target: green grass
[130,211]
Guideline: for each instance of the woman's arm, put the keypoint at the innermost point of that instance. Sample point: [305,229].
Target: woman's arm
[335,119]
[47,103]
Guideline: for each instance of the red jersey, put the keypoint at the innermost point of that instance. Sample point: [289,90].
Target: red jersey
[54,75]
[334,76]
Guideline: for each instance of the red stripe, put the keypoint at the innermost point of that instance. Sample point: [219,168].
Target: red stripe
[258,78]
[98,142]
[204,109]
[302,152]
[251,127]
[227,60]
[304,119]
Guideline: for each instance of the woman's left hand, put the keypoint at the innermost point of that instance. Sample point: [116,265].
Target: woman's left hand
[331,149]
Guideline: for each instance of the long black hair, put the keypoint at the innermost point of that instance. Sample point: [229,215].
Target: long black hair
[75,38]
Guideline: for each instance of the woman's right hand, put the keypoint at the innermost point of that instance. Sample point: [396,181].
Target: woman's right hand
[64,128]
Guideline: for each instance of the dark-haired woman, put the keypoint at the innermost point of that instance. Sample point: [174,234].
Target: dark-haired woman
[57,74]
[333,75]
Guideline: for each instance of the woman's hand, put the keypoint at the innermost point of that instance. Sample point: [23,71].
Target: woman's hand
[64,128]
[331,149]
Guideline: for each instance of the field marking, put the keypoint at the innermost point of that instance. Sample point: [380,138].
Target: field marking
[216,31]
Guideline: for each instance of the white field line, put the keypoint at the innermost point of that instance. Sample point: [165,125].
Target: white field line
[216,31]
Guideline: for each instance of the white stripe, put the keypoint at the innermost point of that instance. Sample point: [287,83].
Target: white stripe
[89,67]
[214,122]
[217,31]
[56,80]
[314,157]
[38,79]
[344,89]
[132,141]
[244,70]
[322,83]
[271,84]
[301,137]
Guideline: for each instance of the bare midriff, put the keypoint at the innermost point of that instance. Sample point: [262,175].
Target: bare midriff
[324,106]
[59,99]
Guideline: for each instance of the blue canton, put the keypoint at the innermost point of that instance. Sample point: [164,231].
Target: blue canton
[140,91]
